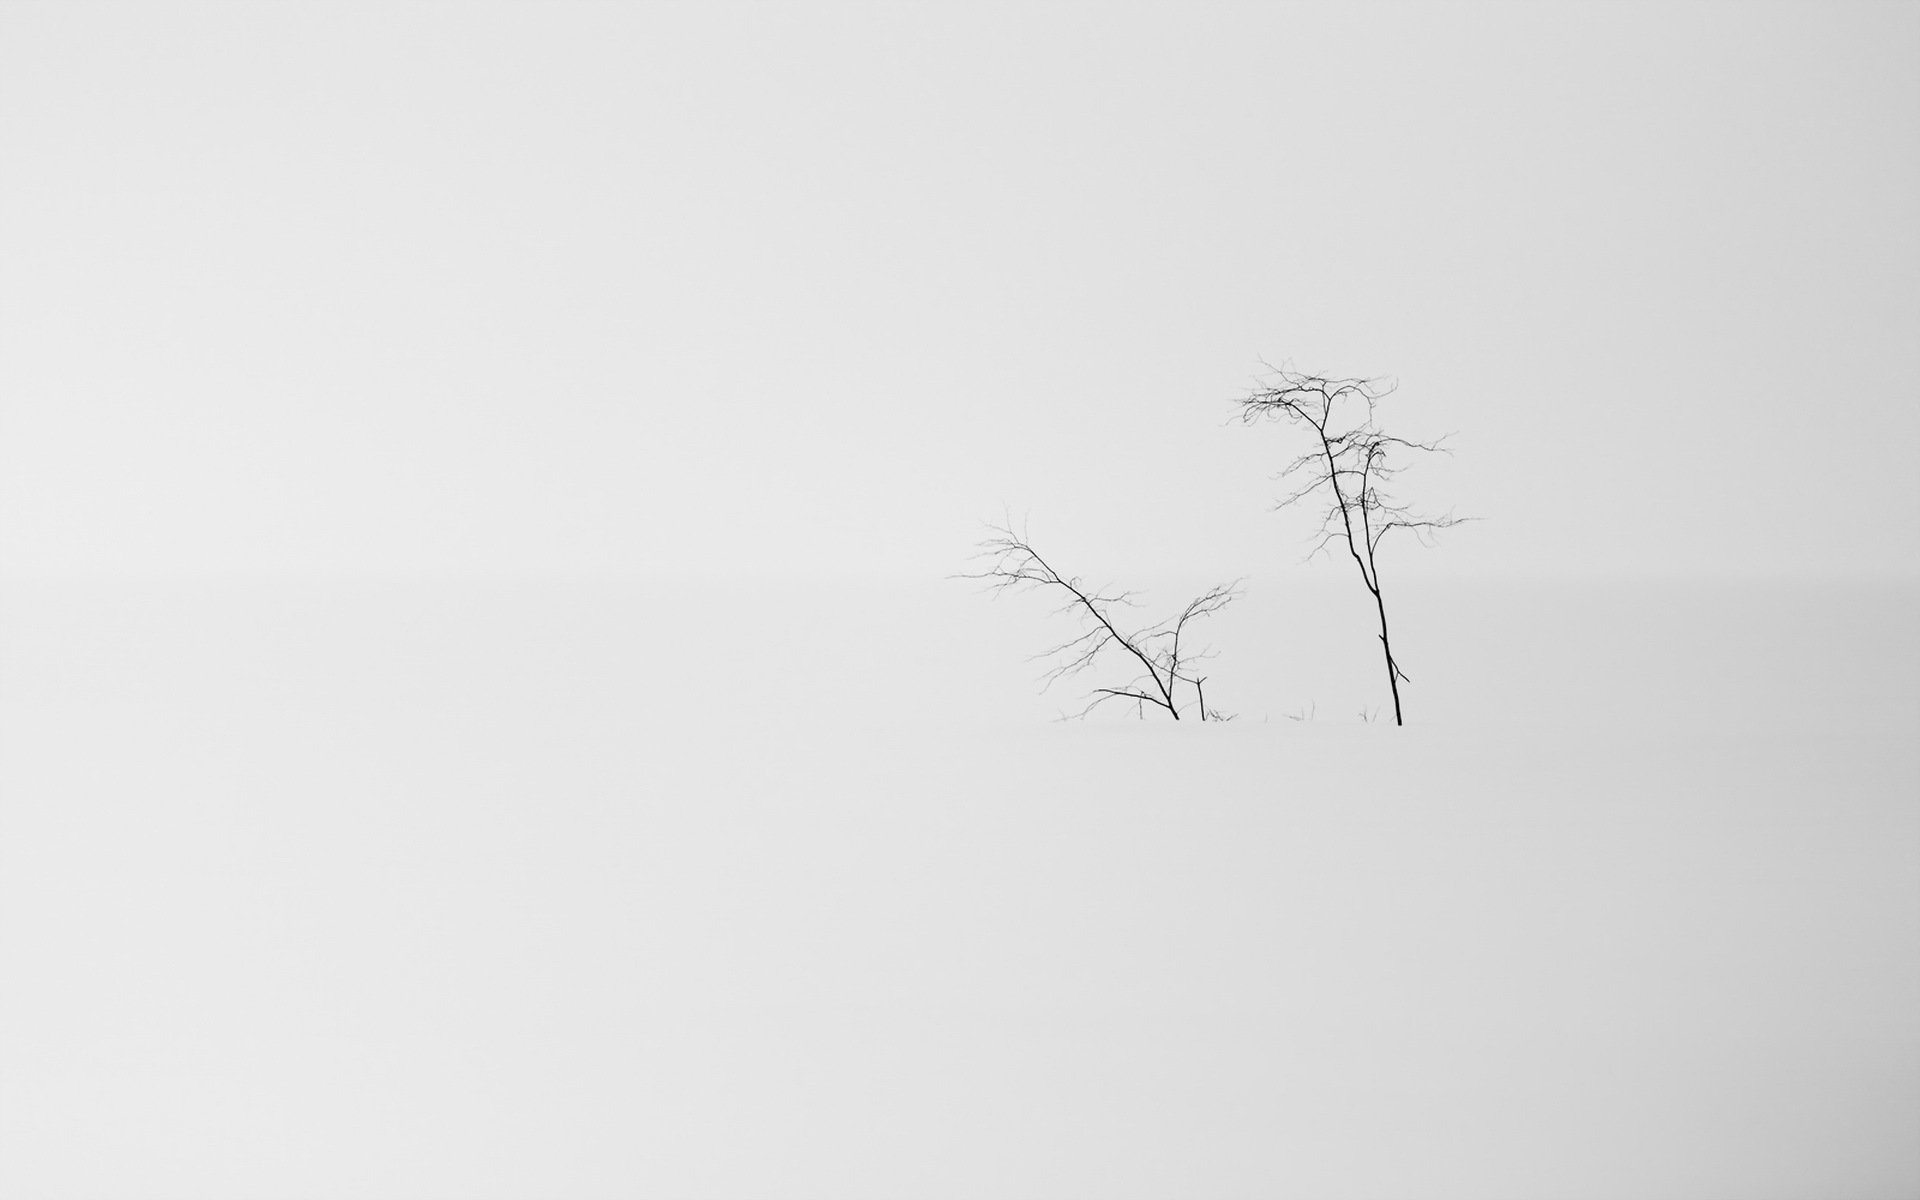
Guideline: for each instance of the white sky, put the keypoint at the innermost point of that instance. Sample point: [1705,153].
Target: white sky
[664,287]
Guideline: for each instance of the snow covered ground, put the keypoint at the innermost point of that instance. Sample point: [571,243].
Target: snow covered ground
[747,888]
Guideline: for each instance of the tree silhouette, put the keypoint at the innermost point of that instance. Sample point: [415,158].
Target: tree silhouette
[1351,464]
[1163,656]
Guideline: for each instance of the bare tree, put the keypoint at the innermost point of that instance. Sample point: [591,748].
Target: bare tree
[1161,654]
[1351,463]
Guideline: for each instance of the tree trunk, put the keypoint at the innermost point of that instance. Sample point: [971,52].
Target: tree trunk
[1386,648]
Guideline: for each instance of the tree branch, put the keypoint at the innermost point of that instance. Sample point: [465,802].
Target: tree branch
[1013,564]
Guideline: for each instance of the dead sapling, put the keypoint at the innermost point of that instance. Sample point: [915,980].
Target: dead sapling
[1350,465]
[1161,655]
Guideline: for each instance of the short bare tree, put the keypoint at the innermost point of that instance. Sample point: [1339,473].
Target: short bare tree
[1162,654]
[1350,464]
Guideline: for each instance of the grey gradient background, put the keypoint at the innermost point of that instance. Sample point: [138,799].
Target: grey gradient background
[483,710]
[658,287]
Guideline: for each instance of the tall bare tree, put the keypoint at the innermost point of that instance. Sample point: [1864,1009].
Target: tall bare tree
[1161,654]
[1350,464]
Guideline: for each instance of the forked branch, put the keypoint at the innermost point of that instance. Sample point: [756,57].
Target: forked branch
[1161,655]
